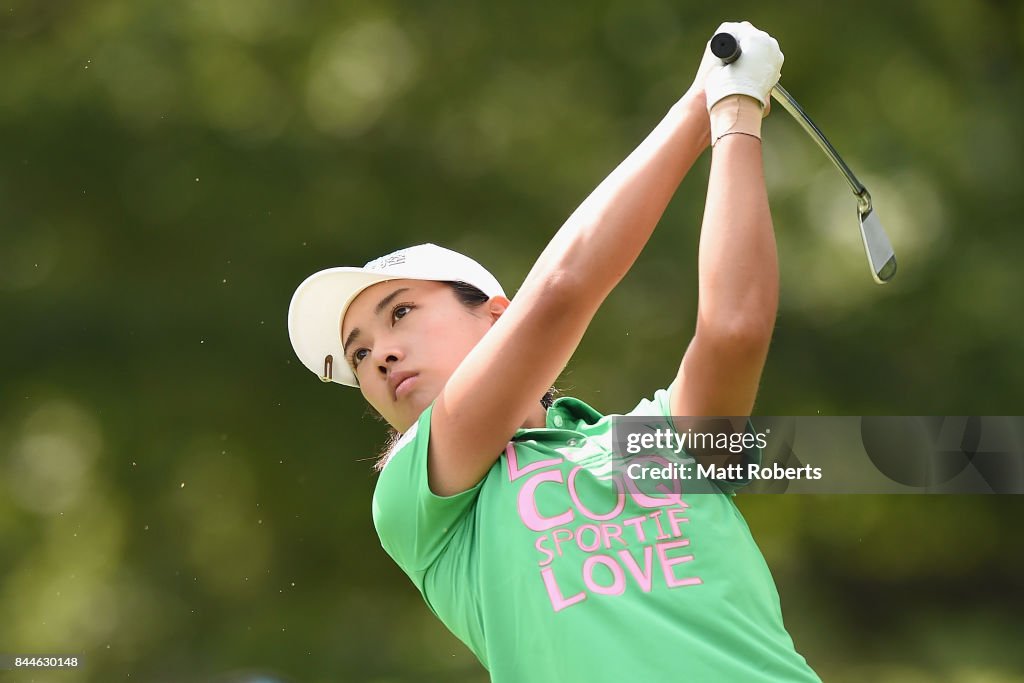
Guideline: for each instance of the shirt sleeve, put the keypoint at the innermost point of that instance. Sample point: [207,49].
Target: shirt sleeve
[660,406]
[414,525]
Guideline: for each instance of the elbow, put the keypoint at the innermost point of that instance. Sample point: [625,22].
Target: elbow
[745,323]
[740,335]
[565,287]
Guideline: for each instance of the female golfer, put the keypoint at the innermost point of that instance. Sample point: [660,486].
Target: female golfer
[498,504]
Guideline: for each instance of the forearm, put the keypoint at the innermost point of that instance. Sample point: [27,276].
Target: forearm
[600,241]
[738,265]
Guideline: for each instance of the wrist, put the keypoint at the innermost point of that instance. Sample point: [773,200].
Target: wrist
[735,114]
[693,106]
[694,98]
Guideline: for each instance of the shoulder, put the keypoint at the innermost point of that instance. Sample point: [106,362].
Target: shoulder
[412,522]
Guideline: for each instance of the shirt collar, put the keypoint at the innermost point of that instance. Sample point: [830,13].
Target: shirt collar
[566,413]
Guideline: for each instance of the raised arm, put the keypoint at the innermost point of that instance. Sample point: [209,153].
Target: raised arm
[738,266]
[738,288]
[493,390]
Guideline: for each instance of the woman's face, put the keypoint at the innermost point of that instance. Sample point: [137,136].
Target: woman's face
[404,338]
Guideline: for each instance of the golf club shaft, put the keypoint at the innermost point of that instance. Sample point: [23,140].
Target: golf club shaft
[783,97]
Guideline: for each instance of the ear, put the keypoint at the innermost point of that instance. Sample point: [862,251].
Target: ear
[496,306]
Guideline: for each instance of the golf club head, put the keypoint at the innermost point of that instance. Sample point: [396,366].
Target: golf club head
[876,243]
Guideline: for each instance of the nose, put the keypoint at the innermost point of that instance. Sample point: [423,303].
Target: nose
[386,355]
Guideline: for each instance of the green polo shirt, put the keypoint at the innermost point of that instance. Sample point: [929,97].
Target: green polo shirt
[549,572]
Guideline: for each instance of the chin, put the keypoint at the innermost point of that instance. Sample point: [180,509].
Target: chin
[415,404]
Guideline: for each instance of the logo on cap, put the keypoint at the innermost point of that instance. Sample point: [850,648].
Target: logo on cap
[386,261]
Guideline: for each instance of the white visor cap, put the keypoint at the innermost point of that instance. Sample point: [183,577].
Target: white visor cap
[319,304]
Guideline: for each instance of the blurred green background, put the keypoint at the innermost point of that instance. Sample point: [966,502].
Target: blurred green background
[181,500]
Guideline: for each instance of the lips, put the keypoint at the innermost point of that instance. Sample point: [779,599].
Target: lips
[396,379]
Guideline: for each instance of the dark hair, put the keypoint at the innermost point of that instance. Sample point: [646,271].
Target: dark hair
[470,297]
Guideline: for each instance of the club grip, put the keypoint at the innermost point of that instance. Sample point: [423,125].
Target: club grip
[725,47]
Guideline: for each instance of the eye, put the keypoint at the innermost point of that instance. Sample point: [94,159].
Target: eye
[358,355]
[401,308]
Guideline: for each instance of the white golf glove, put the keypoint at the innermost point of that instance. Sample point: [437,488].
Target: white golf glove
[753,74]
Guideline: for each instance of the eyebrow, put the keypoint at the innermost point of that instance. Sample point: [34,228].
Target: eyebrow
[381,305]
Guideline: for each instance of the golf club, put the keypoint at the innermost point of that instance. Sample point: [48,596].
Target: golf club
[879,250]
